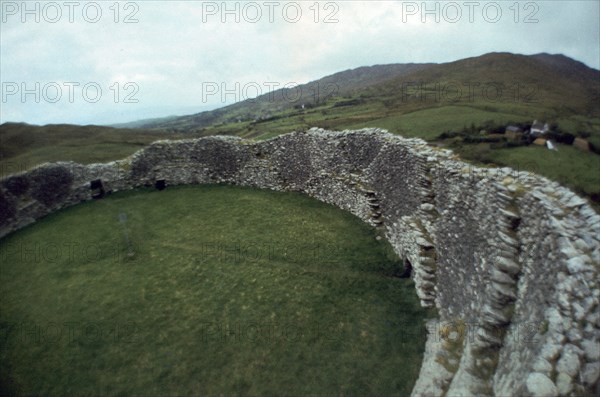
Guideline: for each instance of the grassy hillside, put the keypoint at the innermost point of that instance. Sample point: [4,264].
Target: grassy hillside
[208,291]
[284,101]
[550,85]
[541,86]
[414,100]
[23,146]
[428,123]
[567,165]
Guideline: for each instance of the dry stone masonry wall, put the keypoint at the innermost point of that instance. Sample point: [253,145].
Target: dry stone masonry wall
[509,260]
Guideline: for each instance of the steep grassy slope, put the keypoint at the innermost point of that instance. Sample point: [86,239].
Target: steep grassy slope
[541,86]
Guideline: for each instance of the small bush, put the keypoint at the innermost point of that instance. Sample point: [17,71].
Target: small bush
[510,144]
[483,139]
[561,137]
[480,153]
[449,135]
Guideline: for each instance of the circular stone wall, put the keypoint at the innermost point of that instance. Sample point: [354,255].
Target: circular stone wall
[509,260]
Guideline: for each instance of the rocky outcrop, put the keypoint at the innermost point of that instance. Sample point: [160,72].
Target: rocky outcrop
[509,260]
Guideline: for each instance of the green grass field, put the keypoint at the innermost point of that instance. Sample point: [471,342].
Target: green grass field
[567,165]
[205,290]
[430,123]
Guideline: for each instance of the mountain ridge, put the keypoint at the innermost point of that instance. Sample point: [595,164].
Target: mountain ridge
[547,76]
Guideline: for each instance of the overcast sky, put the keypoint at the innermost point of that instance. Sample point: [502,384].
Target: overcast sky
[69,62]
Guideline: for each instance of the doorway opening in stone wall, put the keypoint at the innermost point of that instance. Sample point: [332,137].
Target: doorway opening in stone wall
[160,184]
[407,271]
[97,189]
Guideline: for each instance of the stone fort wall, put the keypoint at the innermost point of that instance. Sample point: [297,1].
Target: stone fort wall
[508,259]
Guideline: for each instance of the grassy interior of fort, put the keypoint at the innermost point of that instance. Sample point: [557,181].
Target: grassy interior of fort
[206,290]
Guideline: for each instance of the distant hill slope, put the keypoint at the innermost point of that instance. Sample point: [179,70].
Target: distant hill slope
[413,100]
[554,82]
[23,146]
[344,83]
[553,85]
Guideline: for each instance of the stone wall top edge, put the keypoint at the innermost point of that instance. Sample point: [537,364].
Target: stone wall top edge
[442,159]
